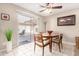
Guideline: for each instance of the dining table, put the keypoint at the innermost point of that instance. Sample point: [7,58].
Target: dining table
[50,38]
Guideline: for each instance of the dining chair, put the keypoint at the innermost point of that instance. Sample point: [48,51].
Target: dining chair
[39,41]
[58,40]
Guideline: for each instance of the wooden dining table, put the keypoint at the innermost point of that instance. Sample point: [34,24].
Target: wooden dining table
[50,37]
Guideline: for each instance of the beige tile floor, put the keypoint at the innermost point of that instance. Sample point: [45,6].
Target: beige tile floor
[28,50]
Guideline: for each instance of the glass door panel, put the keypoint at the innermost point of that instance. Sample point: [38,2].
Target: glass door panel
[25,29]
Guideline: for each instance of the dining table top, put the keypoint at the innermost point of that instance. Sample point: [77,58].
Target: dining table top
[46,35]
[53,34]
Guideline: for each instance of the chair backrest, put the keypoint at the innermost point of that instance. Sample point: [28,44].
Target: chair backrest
[38,37]
[23,32]
[58,38]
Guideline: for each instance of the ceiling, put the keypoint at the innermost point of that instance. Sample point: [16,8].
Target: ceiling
[35,7]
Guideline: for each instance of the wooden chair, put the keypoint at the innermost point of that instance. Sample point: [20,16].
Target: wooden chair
[58,40]
[39,41]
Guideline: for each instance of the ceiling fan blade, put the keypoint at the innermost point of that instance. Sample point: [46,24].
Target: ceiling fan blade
[47,4]
[43,6]
[57,7]
[42,10]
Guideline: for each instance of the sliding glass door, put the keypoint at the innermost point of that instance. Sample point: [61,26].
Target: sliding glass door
[26,28]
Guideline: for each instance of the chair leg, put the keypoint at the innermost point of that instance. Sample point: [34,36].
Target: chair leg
[59,47]
[43,52]
[34,47]
[50,47]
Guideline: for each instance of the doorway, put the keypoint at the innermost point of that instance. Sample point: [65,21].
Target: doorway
[26,29]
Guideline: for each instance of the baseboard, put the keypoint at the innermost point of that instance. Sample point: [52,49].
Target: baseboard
[2,50]
[69,43]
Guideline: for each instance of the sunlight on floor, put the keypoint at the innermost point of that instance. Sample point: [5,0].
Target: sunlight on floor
[28,50]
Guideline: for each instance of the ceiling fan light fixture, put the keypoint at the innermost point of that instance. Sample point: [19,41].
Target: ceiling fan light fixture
[49,7]
[48,11]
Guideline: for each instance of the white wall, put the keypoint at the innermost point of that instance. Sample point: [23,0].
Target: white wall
[69,32]
[4,25]
[41,26]
[13,23]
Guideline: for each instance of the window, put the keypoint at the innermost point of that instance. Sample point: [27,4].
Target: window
[22,19]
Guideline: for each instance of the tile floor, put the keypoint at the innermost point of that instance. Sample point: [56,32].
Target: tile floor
[28,50]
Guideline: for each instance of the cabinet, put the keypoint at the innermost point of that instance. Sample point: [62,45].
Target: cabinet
[77,42]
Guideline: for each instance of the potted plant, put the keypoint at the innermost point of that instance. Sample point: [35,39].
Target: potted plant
[8,35]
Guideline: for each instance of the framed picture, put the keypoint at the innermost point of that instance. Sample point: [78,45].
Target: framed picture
[66,20]
[5,16]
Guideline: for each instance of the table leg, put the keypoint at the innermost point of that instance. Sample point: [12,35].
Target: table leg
[50,45]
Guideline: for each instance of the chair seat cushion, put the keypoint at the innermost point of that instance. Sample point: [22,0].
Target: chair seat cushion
[44,39]
[40,43]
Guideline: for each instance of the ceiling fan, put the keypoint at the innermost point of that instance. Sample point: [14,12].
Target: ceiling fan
[50,6]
